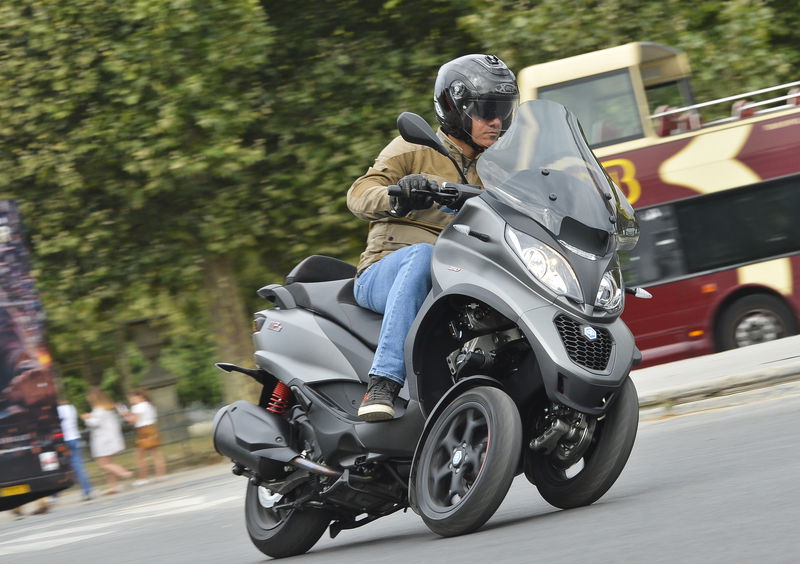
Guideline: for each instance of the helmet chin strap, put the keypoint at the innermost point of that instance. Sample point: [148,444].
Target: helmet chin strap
[474,145]
[466,137]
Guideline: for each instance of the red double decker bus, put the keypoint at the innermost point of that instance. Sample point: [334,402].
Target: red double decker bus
[716,186]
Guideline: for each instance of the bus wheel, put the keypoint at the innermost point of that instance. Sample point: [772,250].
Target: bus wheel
[757,318]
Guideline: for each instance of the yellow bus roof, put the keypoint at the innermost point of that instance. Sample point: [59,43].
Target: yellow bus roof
[658,63]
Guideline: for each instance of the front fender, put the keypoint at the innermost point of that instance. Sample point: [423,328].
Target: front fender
[459,388]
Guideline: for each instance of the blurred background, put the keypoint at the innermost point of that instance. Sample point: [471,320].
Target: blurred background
[170,157]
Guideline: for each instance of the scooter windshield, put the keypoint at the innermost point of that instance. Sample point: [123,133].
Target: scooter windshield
[543,167]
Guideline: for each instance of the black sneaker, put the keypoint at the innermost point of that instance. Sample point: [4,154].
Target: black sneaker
[378,402]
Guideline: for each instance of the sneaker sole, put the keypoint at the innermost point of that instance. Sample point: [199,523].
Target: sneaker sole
[376,413]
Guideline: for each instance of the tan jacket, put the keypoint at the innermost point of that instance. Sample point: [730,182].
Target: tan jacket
[368,199]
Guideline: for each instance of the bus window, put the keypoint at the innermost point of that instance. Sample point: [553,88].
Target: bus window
[741,226]
[722,230]
[605,105]
[666,94]
[676,93]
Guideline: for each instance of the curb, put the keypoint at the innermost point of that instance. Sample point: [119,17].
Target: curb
[724,386]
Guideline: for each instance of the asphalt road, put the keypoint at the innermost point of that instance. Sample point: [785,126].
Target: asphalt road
[713,486]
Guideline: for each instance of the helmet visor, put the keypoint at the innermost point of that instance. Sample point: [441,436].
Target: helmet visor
[489,109]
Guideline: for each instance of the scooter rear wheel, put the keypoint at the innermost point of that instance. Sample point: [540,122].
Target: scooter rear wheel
[281,532]
[602,462]
[468,461]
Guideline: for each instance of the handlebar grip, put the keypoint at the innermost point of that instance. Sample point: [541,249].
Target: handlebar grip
[394,190]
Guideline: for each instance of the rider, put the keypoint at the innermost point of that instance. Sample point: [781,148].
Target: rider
[474,99]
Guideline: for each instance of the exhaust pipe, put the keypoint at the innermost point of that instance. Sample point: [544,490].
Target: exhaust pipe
[257,439]
[315,467]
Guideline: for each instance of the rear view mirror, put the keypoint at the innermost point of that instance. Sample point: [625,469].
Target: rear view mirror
[416,130]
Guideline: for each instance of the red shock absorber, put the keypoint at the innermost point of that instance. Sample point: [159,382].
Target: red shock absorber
[279,401]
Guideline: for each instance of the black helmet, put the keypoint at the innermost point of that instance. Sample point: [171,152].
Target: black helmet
[474,85]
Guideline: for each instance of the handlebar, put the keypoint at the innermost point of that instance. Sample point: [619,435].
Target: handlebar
[451,194]
[394,190]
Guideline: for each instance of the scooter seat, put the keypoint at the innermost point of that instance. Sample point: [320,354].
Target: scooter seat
[334,300]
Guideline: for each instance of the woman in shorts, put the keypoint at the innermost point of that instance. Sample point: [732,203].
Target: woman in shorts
[143,417]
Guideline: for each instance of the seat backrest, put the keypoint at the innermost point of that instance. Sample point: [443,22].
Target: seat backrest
[665,124]
[689,121]
[794,94]
[320,268]
[738,109]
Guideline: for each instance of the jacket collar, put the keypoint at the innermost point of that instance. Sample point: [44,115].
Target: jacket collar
[455,151]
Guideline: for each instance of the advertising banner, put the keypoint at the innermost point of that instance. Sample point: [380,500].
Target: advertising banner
[31,440]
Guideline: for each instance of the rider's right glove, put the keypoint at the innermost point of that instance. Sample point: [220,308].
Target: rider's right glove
[411,197]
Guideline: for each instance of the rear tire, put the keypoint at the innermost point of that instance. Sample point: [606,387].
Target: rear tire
[281,533]
[468,461]
[602,462]
[757,318]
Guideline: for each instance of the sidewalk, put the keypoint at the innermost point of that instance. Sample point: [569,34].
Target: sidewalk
[663,387]
[664,390]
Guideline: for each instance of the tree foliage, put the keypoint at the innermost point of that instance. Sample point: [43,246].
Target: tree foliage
[733,45]
[153,142]
[130,134]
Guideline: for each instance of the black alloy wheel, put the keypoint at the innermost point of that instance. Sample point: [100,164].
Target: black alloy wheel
[468,461]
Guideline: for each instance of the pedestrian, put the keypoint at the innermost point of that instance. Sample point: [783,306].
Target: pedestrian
[143,416]
[42,506]
[474,99]
[105,438]
[69,426]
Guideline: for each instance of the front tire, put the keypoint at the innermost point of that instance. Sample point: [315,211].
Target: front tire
[602,462]
[468,461]
[281,532]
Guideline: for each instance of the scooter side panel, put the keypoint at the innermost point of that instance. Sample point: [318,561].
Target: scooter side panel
[291,343]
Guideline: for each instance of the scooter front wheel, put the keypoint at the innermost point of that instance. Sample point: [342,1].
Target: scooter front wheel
[280,532]
[468,461]
[600,465]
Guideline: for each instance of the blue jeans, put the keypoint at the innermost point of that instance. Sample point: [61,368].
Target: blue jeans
[395,286]
[77,466]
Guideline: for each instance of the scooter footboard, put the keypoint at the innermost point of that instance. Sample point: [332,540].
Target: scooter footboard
[252,437]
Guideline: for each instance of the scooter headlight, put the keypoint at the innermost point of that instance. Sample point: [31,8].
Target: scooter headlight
[609,294]
[546,264]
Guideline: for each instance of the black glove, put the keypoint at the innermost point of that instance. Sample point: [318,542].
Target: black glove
[411,198]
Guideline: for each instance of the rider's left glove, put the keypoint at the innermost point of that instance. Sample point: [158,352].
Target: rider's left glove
[415,195]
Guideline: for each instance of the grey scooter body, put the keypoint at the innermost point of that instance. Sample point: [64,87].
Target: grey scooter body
[488,271]
[487,322]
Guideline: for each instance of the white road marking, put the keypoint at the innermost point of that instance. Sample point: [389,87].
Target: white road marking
[52,534]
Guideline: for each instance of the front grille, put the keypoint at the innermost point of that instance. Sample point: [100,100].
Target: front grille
[591,354]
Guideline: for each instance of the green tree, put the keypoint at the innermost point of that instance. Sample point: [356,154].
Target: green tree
[171,156]
[159,148]
[733,45]
[341,73]
[131,135]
